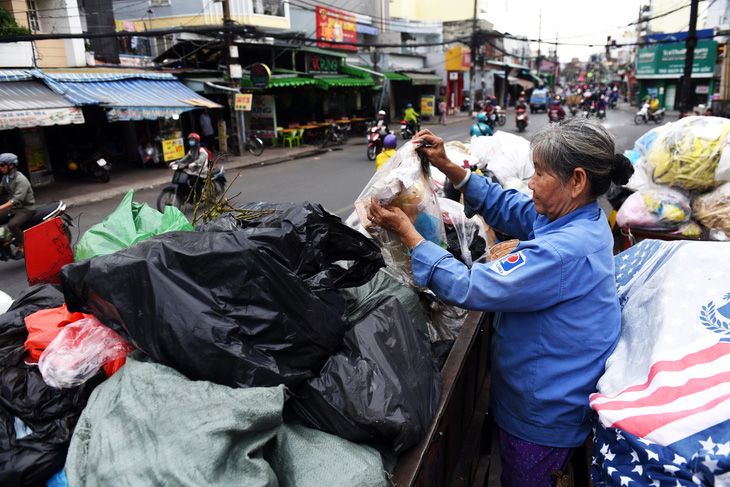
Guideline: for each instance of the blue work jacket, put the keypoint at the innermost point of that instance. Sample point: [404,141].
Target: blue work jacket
[558,317]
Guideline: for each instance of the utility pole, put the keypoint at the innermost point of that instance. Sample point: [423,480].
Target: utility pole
[234,69]
[539,42]
[472,68]
[686,102]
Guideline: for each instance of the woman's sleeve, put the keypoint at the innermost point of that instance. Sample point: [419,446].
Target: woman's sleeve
[507,210]
[529,279]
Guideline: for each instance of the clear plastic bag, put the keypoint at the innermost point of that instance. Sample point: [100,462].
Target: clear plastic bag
[686,153]
[661,209]
[507,156]
[713,211]
[468,231]
[79,351]
[402,182]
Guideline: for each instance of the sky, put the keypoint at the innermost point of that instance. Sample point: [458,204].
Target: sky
[567,19]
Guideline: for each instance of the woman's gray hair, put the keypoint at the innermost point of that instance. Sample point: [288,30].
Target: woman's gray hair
[578,142]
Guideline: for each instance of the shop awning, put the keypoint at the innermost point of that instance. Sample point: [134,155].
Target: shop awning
[128,96]
[346,81]
[396,76]
[283,82]
[525,84]
[423,78]
[26,104]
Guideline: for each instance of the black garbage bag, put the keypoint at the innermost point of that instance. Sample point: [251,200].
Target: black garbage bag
[252,307]
[36,420]
[382,386]
[324,239]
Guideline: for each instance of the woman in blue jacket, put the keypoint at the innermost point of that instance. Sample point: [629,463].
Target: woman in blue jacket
[558,316]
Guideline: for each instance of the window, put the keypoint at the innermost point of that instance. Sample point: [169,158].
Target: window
[269,7]
[159,3]
[32,13]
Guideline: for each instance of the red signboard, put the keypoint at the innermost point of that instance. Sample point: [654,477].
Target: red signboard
[336,26]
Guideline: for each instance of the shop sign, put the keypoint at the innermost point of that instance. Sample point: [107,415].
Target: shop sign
[121,114]
[316,63]
[427,105]
[336,26]
[702,90]
[173,149]
[457,59]
[261,116]
[260,75]
[667,61]
[243,102]
[42,117]
[453,76]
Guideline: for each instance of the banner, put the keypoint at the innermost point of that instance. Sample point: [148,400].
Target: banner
[427,105]
[336,26]
[243,102]
[667,61]
[173,149]
[43,117]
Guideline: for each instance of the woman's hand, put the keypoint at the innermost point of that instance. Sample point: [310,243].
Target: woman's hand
[394,219]
[436,155]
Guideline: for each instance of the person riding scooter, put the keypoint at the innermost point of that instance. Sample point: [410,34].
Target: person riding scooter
[382,124]
[21,202]
[196,157]
[481,128]
[411,118]
[556,112]
[653,104]
[389,143]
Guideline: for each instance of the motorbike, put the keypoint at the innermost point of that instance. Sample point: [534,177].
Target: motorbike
[408,130]
[589,109]
[375,142]
[574,110]
[521,119]
[601,113]
[644,116]
[501,115]
[612,103]
[8,244]
[492,119]
[335,133]
[188,186]
[92,165]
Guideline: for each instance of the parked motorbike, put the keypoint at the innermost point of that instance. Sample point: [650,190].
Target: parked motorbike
[92,165]
[643,115]
[501,115]
[375,142]
[189,186]
[521,119]
[335,133]
[8,244]
[408,130]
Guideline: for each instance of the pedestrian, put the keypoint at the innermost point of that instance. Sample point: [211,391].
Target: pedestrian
[206,127]
[555,294]
[442,111]
[21,202]
[509,98]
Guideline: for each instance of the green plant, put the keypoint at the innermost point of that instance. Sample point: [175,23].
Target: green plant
[8,25]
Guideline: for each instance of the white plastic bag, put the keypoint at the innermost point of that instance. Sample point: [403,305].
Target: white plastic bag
[468,230]
[5,302]
[79,351]
[505,155]
[402,182]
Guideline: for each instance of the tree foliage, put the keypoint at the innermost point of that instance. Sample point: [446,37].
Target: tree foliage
[8,25]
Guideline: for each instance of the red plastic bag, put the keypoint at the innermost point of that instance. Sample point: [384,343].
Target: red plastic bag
[44,325]
[79,351]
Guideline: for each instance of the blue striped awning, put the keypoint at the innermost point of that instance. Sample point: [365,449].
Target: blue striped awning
[127,96]
[26,104]
[15,75]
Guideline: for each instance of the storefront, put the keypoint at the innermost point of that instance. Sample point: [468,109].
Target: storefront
[457,63]
[659,70]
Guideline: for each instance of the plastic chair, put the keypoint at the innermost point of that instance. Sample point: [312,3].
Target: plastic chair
[279,138]
[288,138]
[298,135]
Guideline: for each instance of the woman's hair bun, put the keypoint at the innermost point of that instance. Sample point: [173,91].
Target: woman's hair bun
[622,170]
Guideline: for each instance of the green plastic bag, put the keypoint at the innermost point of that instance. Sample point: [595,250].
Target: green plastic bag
[130,223]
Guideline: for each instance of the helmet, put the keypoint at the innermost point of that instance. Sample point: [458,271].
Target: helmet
[381,113]
[556,100]
[481,117]
[195,136]
[476,129]
[9,158]
[390,141]
[72,166]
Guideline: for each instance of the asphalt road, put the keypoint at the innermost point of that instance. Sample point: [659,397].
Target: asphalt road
[333,179]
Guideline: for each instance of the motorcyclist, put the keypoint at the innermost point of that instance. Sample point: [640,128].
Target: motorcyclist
[601,103]
[556,112]
[382,124]
[653,104]
[21,202]
[481,128]
[490,111]
[196,157]
[389,143]
[411,118]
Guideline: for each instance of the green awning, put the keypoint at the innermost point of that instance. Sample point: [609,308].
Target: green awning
[396,76]
[423,78]
[282,82]
[347,81]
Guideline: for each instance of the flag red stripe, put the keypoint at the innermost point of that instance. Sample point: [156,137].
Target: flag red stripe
[667,394]
[643,425]
[701,357]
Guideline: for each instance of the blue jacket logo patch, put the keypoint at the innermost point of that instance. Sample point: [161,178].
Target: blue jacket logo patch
[508,264]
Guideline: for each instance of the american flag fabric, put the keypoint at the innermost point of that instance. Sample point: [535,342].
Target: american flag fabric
[663,402]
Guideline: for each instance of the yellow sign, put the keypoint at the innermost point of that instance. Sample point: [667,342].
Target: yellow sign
[243,102]
[173,149]
[427,105]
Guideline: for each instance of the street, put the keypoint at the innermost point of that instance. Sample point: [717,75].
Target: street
[334,179]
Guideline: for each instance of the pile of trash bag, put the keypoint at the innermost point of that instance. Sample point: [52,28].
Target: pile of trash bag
[680,168]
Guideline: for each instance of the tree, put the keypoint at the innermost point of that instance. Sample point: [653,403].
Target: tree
[8,25]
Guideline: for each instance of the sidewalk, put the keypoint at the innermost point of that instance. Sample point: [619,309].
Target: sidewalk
[87,190]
